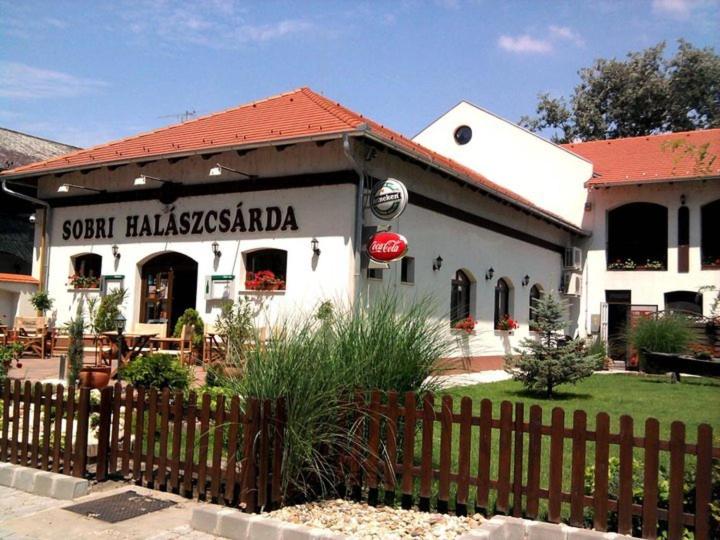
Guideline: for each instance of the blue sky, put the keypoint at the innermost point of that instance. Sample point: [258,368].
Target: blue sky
[86,72]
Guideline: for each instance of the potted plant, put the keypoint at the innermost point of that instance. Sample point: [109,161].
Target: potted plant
[192,317]
[42,302]
[84,282]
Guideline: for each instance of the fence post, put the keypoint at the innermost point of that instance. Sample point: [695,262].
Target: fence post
[83,424]
[106,401]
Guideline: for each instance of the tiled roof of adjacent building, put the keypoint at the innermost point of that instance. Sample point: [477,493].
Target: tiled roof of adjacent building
[18,278]
[670,157]
[294,116]
[17,149]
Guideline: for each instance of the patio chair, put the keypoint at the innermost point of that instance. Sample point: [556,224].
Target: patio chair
[183,343]
[32,333]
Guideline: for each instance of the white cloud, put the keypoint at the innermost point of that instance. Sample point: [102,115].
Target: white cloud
[220,24]
[524,44]
[26,82]
[267,32]
[566,33]
[674,8]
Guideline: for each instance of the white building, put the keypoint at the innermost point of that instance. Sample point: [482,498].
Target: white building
[494,212]
[651,204]
[291,167]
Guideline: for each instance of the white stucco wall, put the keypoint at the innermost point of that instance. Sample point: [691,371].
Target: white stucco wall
[647,287]
[510,156]
[15,300]
[320,213]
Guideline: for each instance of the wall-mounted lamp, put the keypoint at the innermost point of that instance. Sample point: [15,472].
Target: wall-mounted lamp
[218,169]
[116,251]
[143,178]
[682,199]
[216,249]
[489,274]
[64,188]
[526,281]
[315,245]
[437,263]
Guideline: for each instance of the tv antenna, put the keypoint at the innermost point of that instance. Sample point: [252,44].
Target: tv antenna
[181,117]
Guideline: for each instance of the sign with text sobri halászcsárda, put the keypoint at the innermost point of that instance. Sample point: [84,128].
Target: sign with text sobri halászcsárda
[225,220]
[388,199]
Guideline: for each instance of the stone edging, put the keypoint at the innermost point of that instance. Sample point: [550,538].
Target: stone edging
[236,525]
[43,483]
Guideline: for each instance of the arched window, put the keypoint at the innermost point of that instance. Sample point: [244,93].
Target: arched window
[502,301]
[535,294]
[460,297]
[684,302]
[710,242]
[266,270]
[637,237]
[86,271]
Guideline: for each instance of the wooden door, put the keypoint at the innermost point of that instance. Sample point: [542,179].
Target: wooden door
[157,296]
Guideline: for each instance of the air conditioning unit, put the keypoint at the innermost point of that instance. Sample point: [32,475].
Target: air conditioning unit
[573,258]
[571,283]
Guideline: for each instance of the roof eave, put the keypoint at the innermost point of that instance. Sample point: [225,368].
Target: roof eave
[214,149]
[645,181]
[467,180]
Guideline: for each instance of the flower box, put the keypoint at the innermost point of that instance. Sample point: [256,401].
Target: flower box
[263,280]
[466,325]
[507,324]
[633,265]
[83,282]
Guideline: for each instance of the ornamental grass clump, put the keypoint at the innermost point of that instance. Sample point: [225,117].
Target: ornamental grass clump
[316,363]
[667,333]
[545,362]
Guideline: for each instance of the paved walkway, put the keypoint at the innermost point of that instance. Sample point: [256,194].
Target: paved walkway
[468,379]
[30,517]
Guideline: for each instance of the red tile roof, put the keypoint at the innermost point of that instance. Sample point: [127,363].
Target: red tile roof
[296,115]
[655,158]
[18,278]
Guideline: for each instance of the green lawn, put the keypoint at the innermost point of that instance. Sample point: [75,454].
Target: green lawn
[693,401]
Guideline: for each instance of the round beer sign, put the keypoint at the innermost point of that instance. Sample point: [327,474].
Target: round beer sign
[387,247]
[388,199]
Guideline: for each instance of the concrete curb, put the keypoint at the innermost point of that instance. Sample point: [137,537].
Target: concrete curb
[236,525]
[43,483]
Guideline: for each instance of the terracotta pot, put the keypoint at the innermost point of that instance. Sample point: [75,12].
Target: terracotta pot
[95,376]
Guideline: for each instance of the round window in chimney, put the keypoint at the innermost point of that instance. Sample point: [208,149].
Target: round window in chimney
[463,134]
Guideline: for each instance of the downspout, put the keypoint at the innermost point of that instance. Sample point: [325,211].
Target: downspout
[347,149]
[44,241]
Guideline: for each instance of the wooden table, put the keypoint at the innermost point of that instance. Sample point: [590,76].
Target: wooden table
[131,346]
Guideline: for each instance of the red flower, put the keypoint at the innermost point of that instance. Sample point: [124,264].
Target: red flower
[507,323]
[263,280]
[467,324]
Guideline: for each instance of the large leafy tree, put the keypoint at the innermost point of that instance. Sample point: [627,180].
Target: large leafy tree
[644,94]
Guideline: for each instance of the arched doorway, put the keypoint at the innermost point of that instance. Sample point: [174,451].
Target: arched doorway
[169,287]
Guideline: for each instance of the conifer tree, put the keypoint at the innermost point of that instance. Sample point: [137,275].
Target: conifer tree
[545,362]
[75,330]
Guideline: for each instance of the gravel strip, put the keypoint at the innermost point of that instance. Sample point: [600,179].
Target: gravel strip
[362,522]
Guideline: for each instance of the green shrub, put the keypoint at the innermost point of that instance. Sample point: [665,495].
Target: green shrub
[104,312]
[667,333]
[598,350]
[236,323]
[157,371]
[191,316]
[8,353]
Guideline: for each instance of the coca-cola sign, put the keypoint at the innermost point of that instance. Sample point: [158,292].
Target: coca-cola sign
[387,247]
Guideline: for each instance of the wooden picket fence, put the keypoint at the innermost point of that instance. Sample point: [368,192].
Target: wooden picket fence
[219,451]
[231,452]
[402,453]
